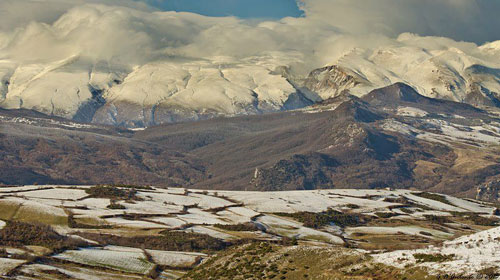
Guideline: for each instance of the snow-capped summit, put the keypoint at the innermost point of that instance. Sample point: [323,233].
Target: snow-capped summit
[137,76]
[443,72]
[61,88]
[168,92]
[150,94]
[175,90]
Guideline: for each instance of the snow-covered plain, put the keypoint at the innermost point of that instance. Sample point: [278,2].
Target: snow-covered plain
[32,206]
[411,112]
[77,272]
[409,230]
[6,265]
[129,260]
[211,232]
[200,211]
[170,208]
[292,229]
[175,259]
[312,201]
[59,193]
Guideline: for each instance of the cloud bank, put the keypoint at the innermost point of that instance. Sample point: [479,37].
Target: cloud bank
[132,33]
[466,20]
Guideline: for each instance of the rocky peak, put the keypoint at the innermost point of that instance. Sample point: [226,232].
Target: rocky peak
[331,81]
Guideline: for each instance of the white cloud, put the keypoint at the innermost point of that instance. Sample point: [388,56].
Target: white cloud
[17,13]
[131,33]
[468,20]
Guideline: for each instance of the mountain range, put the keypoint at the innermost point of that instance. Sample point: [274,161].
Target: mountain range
[392,137]
[182,89]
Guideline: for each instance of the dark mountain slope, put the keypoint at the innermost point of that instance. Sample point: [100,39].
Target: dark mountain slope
[393,137]
[340,149]
[38,149]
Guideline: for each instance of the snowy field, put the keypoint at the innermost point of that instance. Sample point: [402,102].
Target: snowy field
[172,208]
[447,133]
[468,254]
[7,265]
[390,214]
[124,259]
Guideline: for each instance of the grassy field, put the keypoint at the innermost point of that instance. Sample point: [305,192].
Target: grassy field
[10,210]
[263,261]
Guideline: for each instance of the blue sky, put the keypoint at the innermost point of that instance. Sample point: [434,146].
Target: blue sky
[239,8]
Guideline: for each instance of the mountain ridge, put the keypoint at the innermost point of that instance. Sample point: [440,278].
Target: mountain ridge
[180,90]
[342,142]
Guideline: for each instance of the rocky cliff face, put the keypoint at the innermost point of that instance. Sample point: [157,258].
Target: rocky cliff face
[489,191]
[331,81]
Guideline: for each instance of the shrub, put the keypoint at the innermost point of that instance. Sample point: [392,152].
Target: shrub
[421,258]
[318,220]
[386,215]
[490,272]
[167,241]
[400,200]
[287,241]
[433,196]
[17,233]
[476,219]
[111,192]
[496,212]
[406,210]
[72,223]
[129,186]
[55,273]
[3,253]
[238,227]
[115,205]
[437,219]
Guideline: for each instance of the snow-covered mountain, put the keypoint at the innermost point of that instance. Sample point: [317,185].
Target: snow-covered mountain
[149,94]
[131,66]
[61,88]
[392,137]
[468,74]
[172,90]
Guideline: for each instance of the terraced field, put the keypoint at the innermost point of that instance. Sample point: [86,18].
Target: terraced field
[131,232]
